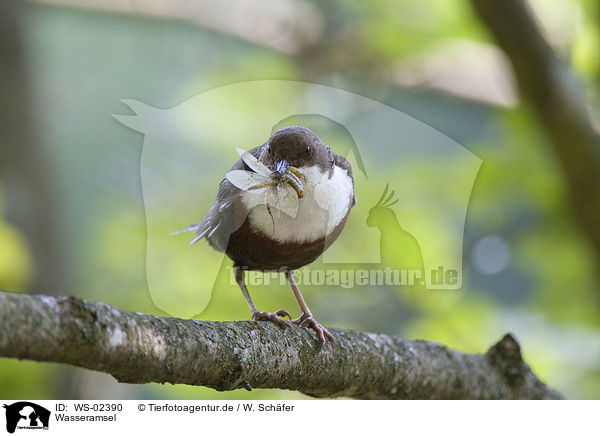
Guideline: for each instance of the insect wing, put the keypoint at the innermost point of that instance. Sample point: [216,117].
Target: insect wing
[245,180]
[287,200]
[272,199]
[253,162]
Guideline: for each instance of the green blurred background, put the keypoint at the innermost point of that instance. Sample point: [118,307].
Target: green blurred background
[528,268]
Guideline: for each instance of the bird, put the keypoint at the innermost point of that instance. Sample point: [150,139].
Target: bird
[256,233]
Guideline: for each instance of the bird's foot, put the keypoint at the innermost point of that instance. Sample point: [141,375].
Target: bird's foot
[276,317]
[307,320]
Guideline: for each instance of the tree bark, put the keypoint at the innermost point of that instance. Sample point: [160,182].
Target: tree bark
[141,348]
[557,100]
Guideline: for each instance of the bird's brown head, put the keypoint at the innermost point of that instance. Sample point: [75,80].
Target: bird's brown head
[296,146]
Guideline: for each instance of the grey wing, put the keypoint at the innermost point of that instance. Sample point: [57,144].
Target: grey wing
[343,163]
[226,214]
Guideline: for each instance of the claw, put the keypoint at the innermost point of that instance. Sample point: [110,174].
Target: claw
[283,312]
[307,320]
[276,317]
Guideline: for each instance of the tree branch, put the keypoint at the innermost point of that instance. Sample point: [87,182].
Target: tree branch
[141,348]
[550,88]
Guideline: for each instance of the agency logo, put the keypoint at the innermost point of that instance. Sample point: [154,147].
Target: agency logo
[26,415]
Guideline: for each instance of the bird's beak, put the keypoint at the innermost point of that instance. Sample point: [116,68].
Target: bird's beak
[281,167]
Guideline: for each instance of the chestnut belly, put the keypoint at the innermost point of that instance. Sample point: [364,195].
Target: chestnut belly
[253,250]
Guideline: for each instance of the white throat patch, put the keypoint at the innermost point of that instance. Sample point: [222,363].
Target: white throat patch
[325,203]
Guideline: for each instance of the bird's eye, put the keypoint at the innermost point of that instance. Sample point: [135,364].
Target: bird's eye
[308,151]
[269,150]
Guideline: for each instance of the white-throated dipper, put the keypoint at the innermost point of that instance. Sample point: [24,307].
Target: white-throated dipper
[281,206]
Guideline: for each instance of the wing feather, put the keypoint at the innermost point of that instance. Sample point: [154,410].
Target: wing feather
[228,212]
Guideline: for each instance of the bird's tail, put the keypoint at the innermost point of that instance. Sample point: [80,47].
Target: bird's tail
[203,229]
[187,229]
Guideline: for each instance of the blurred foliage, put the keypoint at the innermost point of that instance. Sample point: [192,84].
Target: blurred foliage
[15,259]
[82,62]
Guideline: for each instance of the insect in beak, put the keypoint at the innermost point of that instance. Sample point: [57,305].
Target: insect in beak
[281,167]
[273,183]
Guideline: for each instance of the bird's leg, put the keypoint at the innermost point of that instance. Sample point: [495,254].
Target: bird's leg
[258,315]
[307,318]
